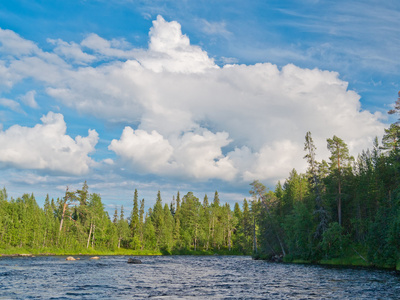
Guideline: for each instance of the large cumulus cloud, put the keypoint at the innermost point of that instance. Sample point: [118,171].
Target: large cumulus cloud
[47,147]
[187,116]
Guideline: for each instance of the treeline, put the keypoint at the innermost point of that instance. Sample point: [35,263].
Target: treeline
[344,207]
[79,221]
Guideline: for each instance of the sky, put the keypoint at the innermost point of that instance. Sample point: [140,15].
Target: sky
[187,95]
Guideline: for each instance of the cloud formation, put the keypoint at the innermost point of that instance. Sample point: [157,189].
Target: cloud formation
[185,115]
[29,99]
[194,155]
[47,147]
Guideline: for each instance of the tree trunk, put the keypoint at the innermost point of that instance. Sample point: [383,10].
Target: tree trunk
[229,233]
[254,237]
[44,239]
[212,232]
[340,192]
[90,233]
[209,233]
[229,240]
[64,209]
[94,228]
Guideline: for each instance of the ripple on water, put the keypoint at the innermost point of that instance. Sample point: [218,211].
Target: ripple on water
[187,277]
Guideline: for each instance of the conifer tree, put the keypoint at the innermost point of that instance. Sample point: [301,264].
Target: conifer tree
[141,222]
[123,230]
[167,230]
[340,162]
[149,234]
[172,206]
[134,225]
[115,217]
[157,217]
[178,201]
[315,182]
[247,224]
[206,222]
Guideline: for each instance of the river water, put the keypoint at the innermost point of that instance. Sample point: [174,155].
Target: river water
[187,277]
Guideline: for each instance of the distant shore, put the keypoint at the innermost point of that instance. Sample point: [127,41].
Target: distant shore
[17,252]
[345,262]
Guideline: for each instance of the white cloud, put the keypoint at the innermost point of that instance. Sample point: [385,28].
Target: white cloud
[197,155]
[149,152]
[71,51]
[108,161]
[45,68]
[171,51]
[274,161]
[215,28]
[13,44]
[114,48]
[29,99]
[47,147]
[11,104]
[5,77]
[193,118]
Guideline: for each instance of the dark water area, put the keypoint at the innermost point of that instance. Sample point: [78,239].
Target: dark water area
[187,277]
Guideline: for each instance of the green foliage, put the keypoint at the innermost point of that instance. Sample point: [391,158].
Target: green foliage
[299,228]
[78,223]
[344,211]
[134,225]
[334,242]
[384,233]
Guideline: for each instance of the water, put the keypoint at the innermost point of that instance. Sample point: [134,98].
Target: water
[187,277]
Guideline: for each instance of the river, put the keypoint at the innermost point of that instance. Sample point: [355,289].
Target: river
[187,277]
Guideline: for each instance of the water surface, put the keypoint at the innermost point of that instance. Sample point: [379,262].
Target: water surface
[187,277]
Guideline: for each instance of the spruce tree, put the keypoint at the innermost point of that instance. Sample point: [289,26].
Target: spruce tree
[134,225]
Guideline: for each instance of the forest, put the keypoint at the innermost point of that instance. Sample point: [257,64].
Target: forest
[345,209]
[79,221]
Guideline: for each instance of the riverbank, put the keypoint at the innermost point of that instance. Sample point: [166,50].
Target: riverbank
[350,261]
[9,252]
[61,252]
[347,262]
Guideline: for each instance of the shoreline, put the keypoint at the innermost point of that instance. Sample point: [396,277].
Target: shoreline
[122,252]
[334,263]
[338,263]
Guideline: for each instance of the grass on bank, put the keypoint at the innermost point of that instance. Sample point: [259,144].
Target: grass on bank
[345,261]
[120,251]
[351,258]
[50,251]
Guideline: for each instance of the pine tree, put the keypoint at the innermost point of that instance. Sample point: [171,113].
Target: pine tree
[247,224]
[340,162]
[316,185]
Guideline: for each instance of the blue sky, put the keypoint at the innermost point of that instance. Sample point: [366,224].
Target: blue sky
[186,95]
